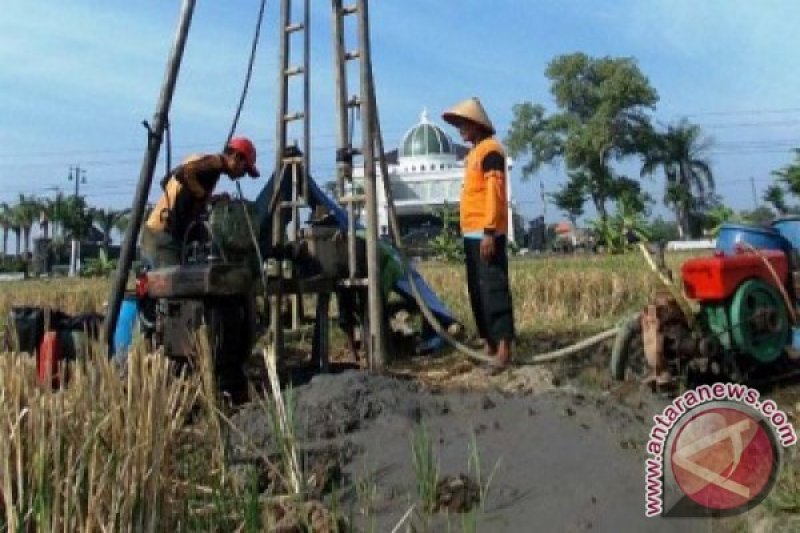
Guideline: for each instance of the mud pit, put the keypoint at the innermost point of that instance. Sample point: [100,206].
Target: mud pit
[560,458]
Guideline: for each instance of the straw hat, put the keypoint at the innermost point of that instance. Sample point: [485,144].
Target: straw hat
[470,109]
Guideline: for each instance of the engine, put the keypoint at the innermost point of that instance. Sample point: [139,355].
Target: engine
[738,316]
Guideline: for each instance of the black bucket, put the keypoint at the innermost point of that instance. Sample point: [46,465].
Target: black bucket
[25,328]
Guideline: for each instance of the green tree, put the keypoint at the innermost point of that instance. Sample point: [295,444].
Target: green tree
[27,212]
[776,197]
[630,197]
[5,223]
[788,182]
[107,219]
[571,198]
[46,211]
[680,152]
[447,244]
[717,215]
[123,221]
[15,224]
[603,104]
[532,135]
[75,217]
[60,213]
[760,216]
[628,223]
[790,174]
[662,230]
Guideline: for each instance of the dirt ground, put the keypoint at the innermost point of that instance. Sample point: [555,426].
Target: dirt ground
[560,447]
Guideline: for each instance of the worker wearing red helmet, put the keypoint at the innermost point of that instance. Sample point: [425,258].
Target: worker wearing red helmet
[187,191]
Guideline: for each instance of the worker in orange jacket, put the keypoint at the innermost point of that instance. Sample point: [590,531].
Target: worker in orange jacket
[483,213]
[187,191]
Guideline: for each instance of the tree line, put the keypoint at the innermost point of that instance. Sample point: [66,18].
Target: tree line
[61,219]
[603,117]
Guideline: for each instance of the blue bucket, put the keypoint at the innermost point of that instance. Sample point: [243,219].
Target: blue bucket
[126,322]
[789,228]
[761,238]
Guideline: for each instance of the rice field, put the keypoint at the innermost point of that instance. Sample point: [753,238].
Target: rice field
[561,294]
[146,452]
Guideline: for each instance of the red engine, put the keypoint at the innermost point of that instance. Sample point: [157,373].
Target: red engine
[717,277]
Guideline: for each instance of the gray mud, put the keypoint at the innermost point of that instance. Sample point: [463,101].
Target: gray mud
[560,460]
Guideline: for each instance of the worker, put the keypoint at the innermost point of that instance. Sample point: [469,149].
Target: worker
[188,190]
[483,214]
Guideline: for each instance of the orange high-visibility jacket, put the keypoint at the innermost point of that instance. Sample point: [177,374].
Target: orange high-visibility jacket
[185,194]
[483,206]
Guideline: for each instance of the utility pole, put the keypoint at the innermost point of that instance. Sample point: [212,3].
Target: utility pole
[79,175]
[154,137]
[544,201]
[755,195]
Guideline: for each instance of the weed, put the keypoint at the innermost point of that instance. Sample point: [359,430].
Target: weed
[469,521]
[474,467]
[426,467]
[785,496]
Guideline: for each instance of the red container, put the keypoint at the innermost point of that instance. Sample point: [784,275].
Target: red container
[717,277]
[48,362]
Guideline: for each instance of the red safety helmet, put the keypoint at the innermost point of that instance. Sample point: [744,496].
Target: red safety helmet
[245,147]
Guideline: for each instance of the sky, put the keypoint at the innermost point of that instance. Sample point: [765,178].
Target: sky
[78,77]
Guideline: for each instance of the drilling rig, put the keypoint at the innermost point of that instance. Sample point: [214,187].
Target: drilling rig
[332,253]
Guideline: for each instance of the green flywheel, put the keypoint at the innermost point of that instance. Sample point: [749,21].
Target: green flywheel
[759,321]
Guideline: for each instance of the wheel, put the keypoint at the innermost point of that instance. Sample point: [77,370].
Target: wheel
[759,321]
[627,355]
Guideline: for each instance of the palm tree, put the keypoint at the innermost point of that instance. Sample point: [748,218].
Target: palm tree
[123,221]
[790,174]
[775,196]
[74,217]
[681,153]
[5,223]
[28,209]
[76,222]
[47,211]
[108,219]
[15,223]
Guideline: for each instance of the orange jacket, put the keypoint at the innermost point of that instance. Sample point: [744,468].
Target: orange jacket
[483,206]
[186,193]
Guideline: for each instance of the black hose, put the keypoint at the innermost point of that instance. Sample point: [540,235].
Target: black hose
[248,76]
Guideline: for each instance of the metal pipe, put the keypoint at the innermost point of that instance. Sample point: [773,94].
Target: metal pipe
[146,173]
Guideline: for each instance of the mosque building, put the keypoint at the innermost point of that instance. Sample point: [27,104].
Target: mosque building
[426,172]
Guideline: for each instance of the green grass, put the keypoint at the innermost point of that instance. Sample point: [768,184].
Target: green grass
[426,467]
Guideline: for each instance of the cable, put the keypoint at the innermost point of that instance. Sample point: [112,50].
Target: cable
[248,76]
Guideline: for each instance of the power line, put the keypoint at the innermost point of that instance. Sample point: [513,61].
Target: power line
[268,143]
[741,112]
[752,124]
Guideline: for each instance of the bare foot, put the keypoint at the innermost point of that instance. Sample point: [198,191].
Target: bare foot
[503,354]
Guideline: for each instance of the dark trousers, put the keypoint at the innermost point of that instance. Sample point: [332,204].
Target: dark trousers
[489,291]
[159,249]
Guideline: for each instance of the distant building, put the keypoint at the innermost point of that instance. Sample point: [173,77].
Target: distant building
[425,173]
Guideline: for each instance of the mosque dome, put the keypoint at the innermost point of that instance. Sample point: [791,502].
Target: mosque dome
[426,139]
